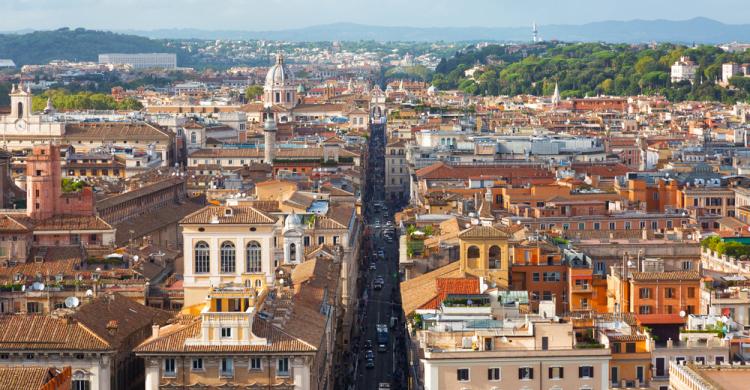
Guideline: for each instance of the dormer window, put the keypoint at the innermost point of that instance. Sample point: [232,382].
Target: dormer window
[228,212]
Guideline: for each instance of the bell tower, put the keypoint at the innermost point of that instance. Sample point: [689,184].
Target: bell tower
[269,135]
[20,102]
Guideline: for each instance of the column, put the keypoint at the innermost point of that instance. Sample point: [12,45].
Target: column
[240,257]
[301,373]
[152,374]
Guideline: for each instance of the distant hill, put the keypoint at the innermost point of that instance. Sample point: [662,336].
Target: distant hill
[40,47]
[698,30]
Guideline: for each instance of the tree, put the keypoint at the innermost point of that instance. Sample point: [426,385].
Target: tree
[253,92]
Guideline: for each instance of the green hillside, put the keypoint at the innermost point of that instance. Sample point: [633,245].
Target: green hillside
[40,47]
[592,69]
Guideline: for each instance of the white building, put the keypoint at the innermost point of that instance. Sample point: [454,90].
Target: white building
[684,70]
[140,60]
[728,71]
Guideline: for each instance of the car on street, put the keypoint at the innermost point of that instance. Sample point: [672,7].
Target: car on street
[370,363]
[369,355]
[368,344]
[373,267]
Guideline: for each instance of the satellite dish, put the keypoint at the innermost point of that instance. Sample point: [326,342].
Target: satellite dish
[89,293]
[71,302]
[37,286]
[23,288]
[135,258]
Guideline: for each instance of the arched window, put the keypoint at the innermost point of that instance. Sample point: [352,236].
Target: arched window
[494,256]
[288,97]
[253,257]
[202,257]
[193,137]
[278,97]
[292,252]
[472,252]
[20,109]
[227,257]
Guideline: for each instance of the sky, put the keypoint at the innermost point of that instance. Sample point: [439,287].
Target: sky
[257,15]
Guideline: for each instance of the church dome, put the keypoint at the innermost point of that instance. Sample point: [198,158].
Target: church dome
[292,221]
[279,74]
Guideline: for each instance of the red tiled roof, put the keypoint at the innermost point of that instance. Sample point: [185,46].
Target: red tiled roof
[447,286]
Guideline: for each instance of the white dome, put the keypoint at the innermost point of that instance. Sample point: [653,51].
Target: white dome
[292,221]
[279,74]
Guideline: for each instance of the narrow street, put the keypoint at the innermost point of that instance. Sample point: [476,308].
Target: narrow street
[380,302]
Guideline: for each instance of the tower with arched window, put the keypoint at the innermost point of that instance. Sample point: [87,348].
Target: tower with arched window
[484,253]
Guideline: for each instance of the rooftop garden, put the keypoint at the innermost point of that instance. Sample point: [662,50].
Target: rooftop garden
[71,185]
[466,301]
[725,247]
[415,239]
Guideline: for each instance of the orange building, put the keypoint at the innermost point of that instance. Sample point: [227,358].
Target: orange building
[657,196]
[538,269]
[664,292]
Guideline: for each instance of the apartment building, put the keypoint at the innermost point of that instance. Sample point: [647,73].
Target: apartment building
[514,353]
[396,171]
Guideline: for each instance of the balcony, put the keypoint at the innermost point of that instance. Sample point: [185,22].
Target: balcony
[582,288]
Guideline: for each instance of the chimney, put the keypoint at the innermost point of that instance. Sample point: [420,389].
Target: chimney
[112,327]
[155,330]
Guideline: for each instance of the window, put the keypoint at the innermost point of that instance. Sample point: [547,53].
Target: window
[535,276]
[545,343]
[255,364]
[227,367]
[321,240]
[597,226]
[169,368]
[198,364]
[526,373]
[472,252]
[307,241]
[227,257]
[687,265]
[201,257]
[719,359]
[644,309]
[462,375]
[669,224]
[282,367]
[614,375]
[81,384]
[654,225]
[494,256]
[493,374]
[547,295]
[629,347]
[700,359]
[586,372]
[33,307]
[691,291]
[615,347]
[226,333]
[627,225]
[253,257]
[555,373]
[581,226]
[551,276]
[644,293]
[669,292]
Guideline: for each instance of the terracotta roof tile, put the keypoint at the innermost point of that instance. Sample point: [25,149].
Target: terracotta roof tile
[479,232]
[420,290]
[671,275]
[20,378]
[30,332]
[239,215]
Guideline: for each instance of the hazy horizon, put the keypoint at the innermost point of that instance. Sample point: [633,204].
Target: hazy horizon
[255,15]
